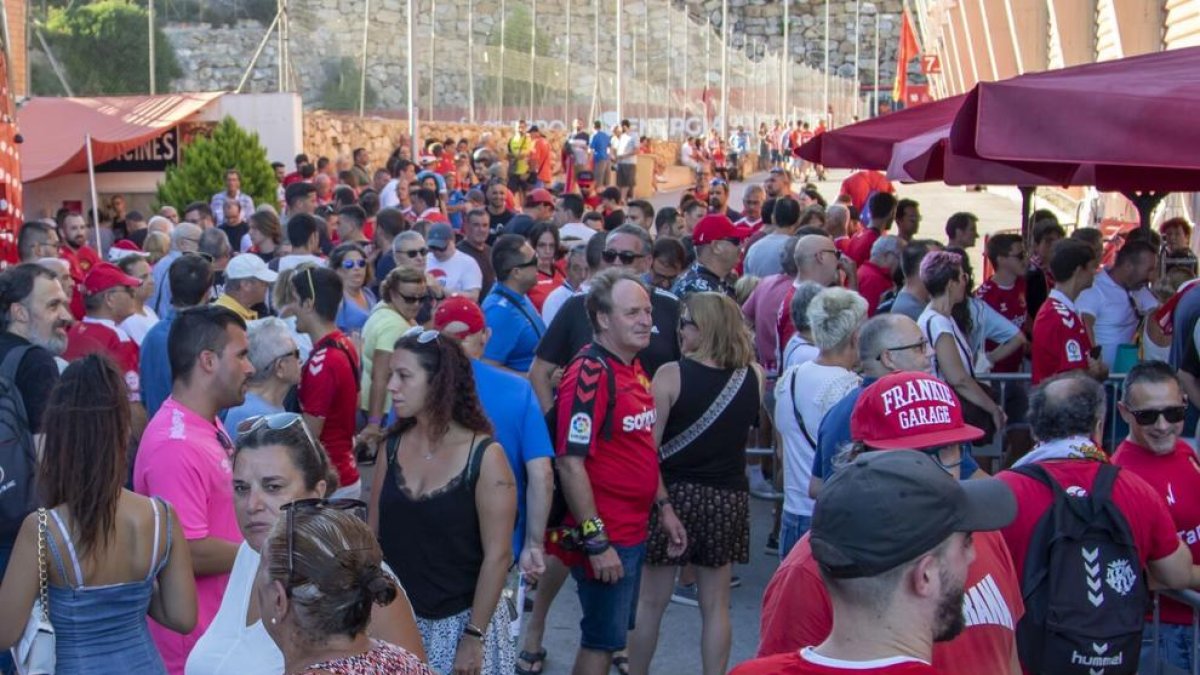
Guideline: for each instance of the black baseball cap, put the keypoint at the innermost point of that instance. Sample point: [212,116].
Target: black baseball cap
[887,508]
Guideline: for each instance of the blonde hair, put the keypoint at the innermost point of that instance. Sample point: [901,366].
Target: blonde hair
[156,244]
[724,338]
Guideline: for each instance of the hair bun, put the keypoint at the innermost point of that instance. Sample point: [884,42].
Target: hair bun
[378,585]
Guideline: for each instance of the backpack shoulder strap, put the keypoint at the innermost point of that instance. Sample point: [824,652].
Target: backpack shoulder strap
[12,362]
[1102,486]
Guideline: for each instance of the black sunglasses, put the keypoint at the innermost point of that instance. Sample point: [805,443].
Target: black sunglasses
[626,257]
[415,252]
[1173,414]
[309,506]
[437,249]
[528,263]
[411,298]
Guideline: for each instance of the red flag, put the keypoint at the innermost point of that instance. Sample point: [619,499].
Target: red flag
[906,52]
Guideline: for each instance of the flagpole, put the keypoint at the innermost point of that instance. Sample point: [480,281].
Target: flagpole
[95,200]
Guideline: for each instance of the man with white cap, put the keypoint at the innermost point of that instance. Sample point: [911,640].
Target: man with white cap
[247,281]
[899,412]
[136,263]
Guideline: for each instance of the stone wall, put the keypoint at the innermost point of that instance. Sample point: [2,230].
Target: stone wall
[334,135]
[326,37]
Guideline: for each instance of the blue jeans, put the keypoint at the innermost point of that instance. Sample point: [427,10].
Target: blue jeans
[609,610]
[1174,649]
[791,528]
[6,662]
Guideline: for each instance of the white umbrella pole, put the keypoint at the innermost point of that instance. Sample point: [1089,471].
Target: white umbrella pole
[95,199]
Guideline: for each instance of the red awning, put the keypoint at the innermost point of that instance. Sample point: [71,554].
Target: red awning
[868,144]
[55,128]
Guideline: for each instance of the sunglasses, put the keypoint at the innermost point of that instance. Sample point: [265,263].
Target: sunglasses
[626,257]
[528,263]
[684,323]
[1173,414]
[311,506]
[351,264]
[423,336]
[411,298]
[276,421]
[414,253]
[438,249]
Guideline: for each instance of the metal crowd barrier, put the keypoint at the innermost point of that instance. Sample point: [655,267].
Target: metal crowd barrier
[1114,387]
[1191,599]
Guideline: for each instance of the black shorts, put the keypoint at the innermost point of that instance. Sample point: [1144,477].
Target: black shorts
[626,175]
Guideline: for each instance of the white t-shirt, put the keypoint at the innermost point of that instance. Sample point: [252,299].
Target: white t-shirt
[555,300]
[933,325]
[1116,321]
[295,260]
[137,325]
[459,273]
[818,388]
[388,199]
[628,142]
[229,646]
[576,231]
[798,350]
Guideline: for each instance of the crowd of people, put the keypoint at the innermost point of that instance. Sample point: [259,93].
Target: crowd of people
[336,434]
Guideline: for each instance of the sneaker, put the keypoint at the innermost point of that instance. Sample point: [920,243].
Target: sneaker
[686,594]
[761,489]
[772,545]
[735,581]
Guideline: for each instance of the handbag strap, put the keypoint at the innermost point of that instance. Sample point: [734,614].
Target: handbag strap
[702,423]
[43,575]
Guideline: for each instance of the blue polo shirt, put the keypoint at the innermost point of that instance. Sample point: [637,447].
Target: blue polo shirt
[600,144]
[155,366]
[511,405]
[516,328]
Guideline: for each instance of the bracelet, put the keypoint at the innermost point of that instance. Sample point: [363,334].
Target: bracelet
[473,631]
[591,527]
[377,420]
[663,503]
[596,545]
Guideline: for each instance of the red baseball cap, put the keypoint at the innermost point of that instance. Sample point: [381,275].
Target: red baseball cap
[458,317]
[715,227]
[104,276]
[909,411]
[539,196]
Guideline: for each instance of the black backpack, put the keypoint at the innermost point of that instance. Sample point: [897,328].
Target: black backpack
[18,459]
[1085,596]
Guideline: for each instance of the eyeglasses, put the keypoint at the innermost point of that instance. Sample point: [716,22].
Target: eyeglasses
[295,353]
[1173,414]
[423,336]
[226,442]
[922,345]
[626,257]
[351,264]
[309,506]
[312,290]
[414,253]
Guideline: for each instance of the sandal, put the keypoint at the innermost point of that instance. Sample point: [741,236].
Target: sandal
[536,661]
[621,663]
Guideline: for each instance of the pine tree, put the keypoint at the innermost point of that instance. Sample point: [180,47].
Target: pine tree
[202,167]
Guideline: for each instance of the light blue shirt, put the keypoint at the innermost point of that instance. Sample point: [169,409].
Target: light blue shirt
[161,302]
[516,328]
[155,366]
[253,406]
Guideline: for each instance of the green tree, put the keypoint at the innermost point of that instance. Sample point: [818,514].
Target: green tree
[202,166]
[518,36]
[340,88]
[103,49]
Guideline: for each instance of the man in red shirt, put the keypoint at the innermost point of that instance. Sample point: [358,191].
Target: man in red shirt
[861,184]
[883,211]
[1060,338]
[108,300]
[1004,292]
[608,466]
[539,157]
[817,260]
[907,410]
[875,276]
[892,539]
[1154,407]
[329,381]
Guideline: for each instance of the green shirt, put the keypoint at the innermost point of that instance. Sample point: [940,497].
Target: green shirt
[383,328]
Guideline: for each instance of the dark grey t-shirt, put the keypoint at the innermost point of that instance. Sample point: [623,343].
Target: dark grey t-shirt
[907,304]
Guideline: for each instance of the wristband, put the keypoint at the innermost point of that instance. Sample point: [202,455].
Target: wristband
[377,420]
[591,527]
[597,544]
[473,631]
[663,503]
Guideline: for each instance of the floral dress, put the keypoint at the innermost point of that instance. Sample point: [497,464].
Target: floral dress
[383,657]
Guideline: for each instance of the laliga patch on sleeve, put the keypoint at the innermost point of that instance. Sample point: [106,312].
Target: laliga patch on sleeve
[580,429]
[1074,352]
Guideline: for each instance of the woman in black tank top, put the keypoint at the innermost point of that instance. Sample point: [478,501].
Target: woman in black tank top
[444,504]
[705,405]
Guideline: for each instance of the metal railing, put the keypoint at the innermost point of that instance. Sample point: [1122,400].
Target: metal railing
[1186,597]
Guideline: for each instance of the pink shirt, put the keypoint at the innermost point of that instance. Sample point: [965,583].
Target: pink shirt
[181,460]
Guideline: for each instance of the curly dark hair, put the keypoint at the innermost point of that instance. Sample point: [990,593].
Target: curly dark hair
[452,396]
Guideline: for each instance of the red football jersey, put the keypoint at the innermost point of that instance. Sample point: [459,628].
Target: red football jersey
[1060,338]
[329,390]
[101,336]
[1010,303]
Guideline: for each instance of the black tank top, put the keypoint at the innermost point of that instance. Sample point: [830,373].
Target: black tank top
[715,457]
[433,543]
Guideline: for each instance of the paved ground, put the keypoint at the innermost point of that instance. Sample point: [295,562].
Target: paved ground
[678,652]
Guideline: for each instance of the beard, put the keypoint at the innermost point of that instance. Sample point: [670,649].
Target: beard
[949,620]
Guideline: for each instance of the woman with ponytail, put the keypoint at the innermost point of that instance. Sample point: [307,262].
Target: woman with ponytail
[444,505]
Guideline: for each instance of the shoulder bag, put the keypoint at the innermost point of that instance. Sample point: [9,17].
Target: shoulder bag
[35,653]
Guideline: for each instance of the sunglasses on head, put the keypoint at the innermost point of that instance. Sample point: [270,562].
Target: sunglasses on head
[351,264]
[415,253]
[276,421]
[626,257]
[423,336]
[1173,414]
[311,506]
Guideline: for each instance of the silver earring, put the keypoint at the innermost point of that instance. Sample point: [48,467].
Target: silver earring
[274,621]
